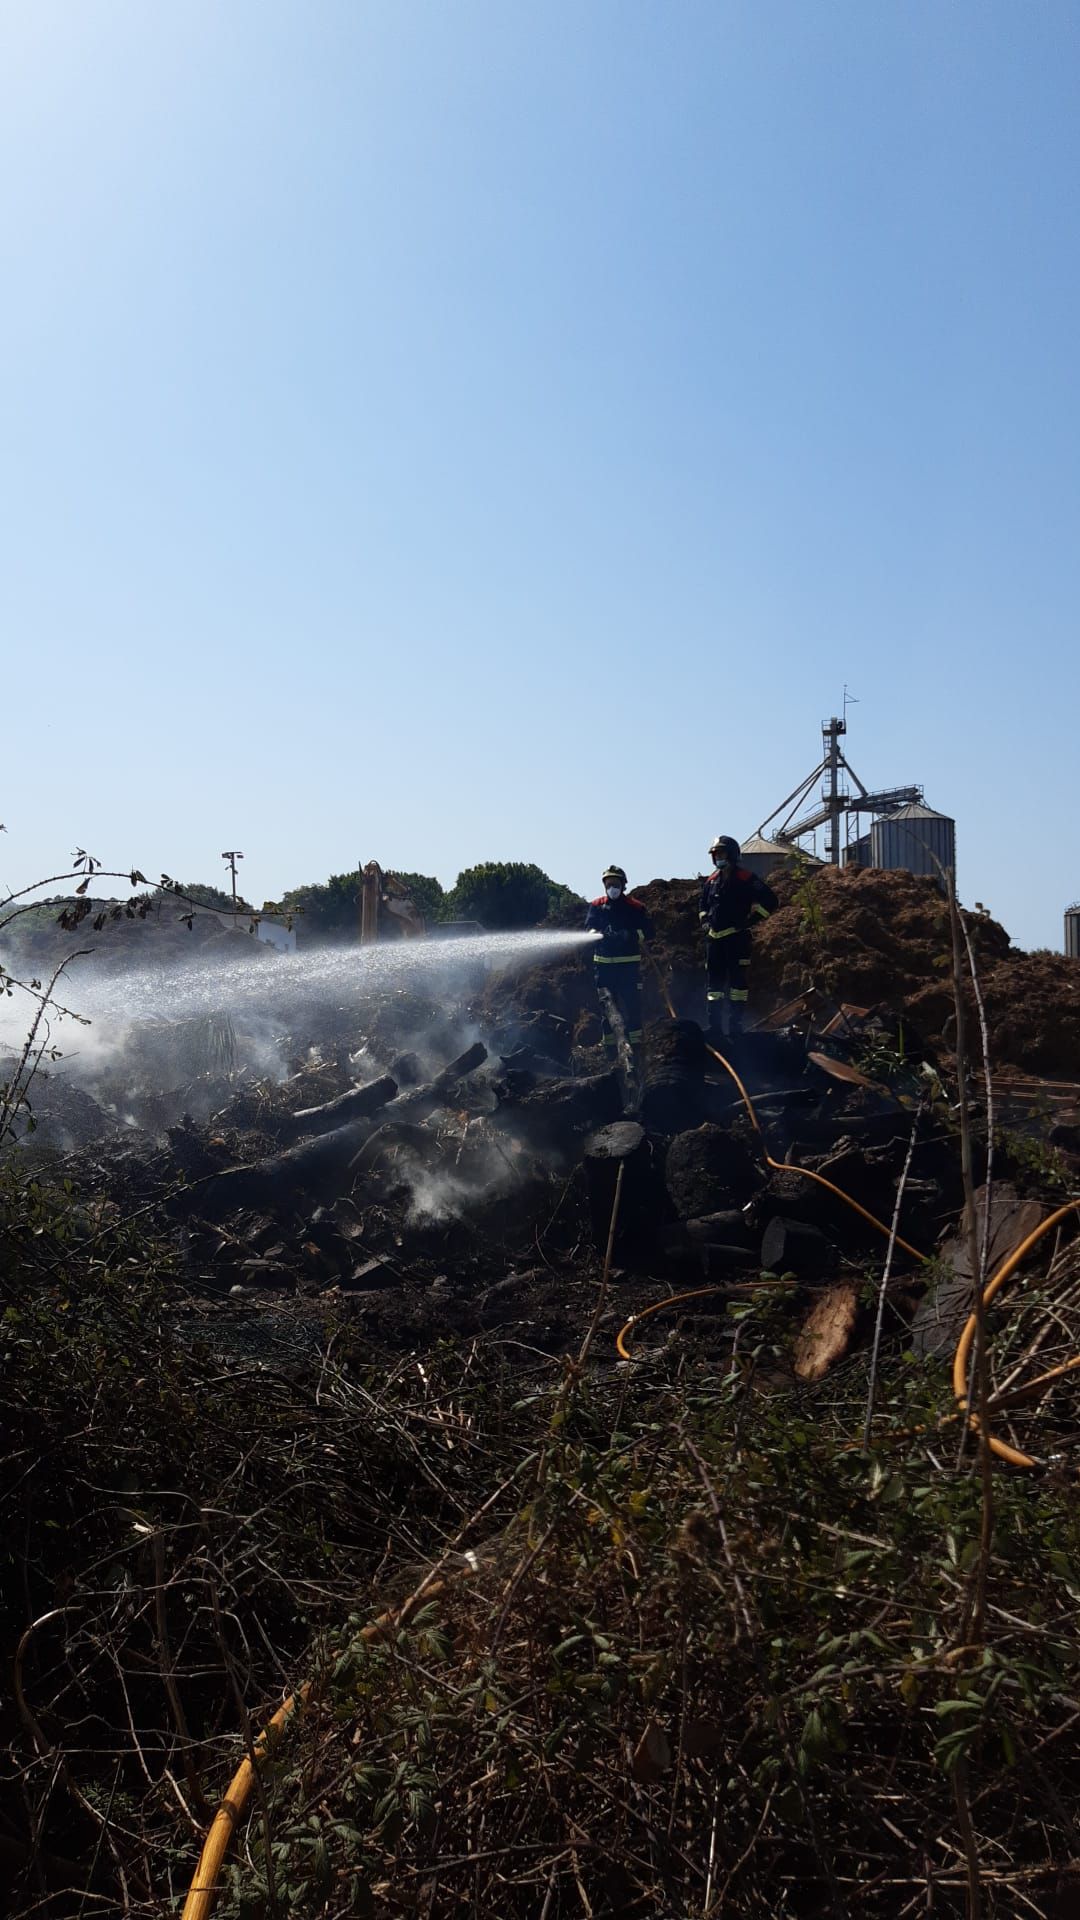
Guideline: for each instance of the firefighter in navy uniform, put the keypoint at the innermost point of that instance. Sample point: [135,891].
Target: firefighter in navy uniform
[623,926]
[733,901]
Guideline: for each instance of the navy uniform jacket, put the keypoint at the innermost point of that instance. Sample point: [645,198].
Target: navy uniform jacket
[731,903]
[624,926]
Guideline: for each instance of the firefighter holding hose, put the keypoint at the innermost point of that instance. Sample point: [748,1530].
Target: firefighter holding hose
[733,901]
[623,926]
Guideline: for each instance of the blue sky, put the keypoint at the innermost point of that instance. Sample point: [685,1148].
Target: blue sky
[485,430]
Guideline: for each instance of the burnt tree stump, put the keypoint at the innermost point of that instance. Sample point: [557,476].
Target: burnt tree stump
[707,1170]
[673,1086]
[623,1144]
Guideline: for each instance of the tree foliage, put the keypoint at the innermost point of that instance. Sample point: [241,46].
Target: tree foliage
[328,910]
[507,894]
[501,894]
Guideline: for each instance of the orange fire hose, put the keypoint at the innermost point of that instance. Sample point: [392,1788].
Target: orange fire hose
[805,1173]
[963,1350]
[960,1358]
[203,1889]
[672,1300]
[781,1166]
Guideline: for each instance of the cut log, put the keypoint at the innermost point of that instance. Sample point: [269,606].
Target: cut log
[557,1111]
[356,1104]
[317,1167]
[724,1229]
[419,1102]
[673,1086]
[707,1168]
[406,1070]
[623,1144]
[826,1332]
[623,1140]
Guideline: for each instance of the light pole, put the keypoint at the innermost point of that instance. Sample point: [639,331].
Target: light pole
[232,859]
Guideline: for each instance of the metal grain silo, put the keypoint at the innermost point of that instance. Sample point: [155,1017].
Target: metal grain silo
[915,839]
[762,856]
[1072,930]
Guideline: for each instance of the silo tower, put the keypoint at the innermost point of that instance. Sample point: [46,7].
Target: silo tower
[914,839]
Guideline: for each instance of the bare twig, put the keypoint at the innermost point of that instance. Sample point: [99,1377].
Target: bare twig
[972,1626]
[885,1275]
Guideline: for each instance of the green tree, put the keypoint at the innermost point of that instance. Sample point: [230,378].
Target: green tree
[327,910]
[330,910]
[504,894]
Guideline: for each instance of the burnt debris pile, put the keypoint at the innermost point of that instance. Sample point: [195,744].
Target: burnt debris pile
[430,1168]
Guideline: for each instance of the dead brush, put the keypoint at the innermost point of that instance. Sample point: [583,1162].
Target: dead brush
[175,1529]
[690,1679]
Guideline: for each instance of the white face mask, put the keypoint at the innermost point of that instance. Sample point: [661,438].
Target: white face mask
[614,893]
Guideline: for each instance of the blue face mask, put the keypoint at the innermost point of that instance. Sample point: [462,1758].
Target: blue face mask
[613,893]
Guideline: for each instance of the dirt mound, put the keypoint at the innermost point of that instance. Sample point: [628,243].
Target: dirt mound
[865,935]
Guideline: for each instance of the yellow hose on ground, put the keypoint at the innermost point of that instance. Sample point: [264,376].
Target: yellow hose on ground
[781,1166]
[963,1350]
[203,1890]
[204,1887]
[672,1300]
[805,1173]
[696,1293]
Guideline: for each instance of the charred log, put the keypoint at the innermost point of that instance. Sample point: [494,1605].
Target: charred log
[557,1110]
[623,1144]
[708,1169]
[421,1101]
[673,1091]
[356,1104]
[317,1166]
